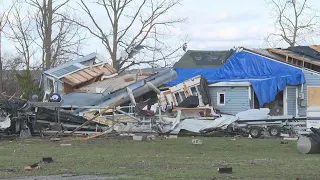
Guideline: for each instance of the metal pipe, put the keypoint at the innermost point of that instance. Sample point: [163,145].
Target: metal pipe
[128,115]
[157,80]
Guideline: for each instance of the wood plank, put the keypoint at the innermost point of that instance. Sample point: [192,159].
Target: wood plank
[106,71]
[67,88]
[92,73]
[292,56]
[79,77]
[93,118]
[313,96]
[110,68]
[97,70]
[71,78]
[67,81]
[86,75]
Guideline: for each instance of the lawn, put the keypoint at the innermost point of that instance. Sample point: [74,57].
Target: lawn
[161,159]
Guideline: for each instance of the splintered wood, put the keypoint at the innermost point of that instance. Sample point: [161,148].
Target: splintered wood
[97,115]
[313,96]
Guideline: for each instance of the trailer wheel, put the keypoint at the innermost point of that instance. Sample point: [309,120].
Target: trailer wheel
[255,132]
[274,131]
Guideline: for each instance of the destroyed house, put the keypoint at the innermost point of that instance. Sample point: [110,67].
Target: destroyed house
[89,81]
[252,79]
[69,77]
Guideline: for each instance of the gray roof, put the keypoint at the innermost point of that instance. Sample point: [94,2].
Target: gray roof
[70,66]
[266,53]
[203,59]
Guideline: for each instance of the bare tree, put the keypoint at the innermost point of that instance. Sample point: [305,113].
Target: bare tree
[133,29]
[60,39]
[3,21]
[22,35]
[296,22]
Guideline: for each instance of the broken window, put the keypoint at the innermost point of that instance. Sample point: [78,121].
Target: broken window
[221,98]
[183,96]
[194,91]
[178,99]
[50,84]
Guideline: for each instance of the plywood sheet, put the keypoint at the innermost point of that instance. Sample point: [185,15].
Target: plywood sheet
[72,79]
[105,70]
[313,96]
[92,73]
[84,74]
[96,69]
[79,77]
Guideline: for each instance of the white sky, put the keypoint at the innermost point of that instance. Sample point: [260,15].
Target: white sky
[211,24]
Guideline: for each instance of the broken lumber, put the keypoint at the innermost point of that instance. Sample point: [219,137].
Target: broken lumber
[97,115]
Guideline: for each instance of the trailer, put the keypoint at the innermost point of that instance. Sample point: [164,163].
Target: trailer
[273,127]
[309,138]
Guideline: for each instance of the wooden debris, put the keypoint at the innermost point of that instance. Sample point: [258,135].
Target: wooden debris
[65,144]
[31,167]
[97,115]
[196,142]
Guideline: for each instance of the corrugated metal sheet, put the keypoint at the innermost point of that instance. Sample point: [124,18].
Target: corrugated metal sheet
[64,71]
[236,99]
[70,63]
[291,100]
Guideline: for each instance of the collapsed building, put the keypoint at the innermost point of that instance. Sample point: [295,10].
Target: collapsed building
[205,91]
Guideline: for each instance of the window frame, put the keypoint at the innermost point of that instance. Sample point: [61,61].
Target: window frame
[218,98]
[197,90]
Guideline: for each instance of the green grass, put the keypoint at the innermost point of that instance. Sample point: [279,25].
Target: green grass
[162,159]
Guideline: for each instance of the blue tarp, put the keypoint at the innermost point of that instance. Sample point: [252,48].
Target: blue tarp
[268,77]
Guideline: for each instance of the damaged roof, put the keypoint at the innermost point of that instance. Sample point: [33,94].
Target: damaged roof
[74,65]
[88,68]
[87,74]
[113,84]
[203,59]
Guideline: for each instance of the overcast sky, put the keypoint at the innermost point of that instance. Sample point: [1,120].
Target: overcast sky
[214,24]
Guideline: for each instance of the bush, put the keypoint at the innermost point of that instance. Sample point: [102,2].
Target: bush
[26,84]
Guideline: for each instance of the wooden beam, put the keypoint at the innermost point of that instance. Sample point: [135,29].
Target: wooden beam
[71,78]
[97,70]
[86,75]
[79,77]
[292,56]
[105,70]
[90,120]
[67,81]
[92,73]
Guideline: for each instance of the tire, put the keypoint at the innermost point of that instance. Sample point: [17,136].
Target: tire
[255,132]
[34,97]
[274,131]
[55,97]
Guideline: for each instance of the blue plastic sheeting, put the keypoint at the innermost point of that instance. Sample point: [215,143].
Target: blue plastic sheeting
[268,77]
